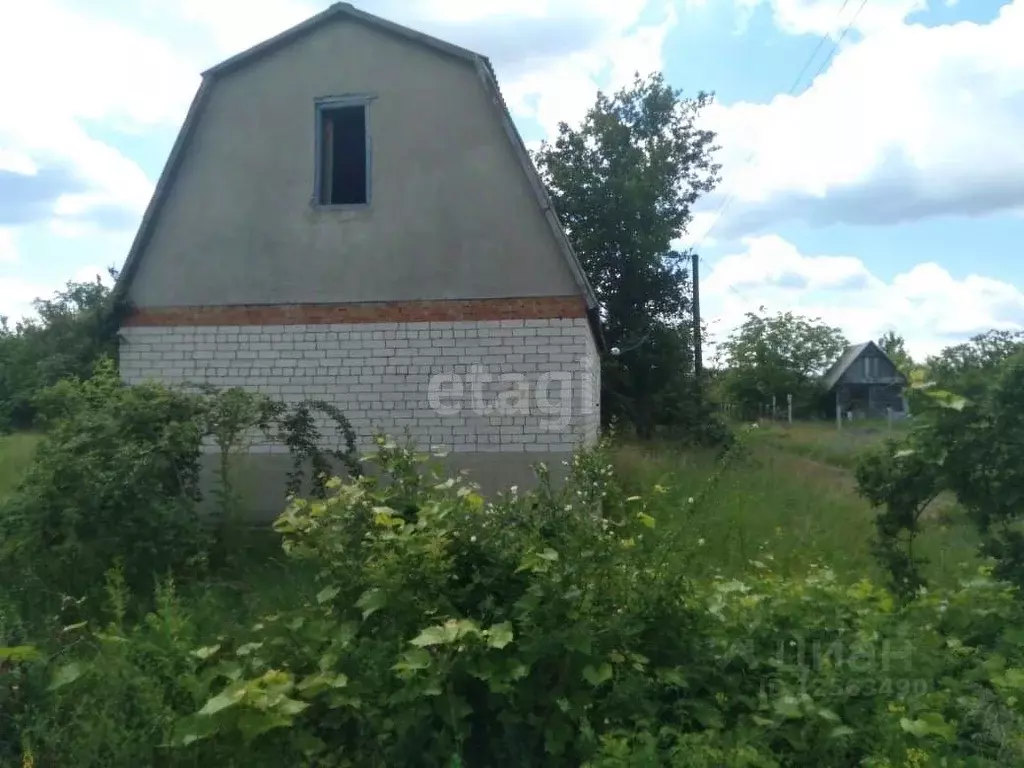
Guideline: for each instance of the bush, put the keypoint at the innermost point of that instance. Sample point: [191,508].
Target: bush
[115,478]
[74,329]
[448,631]
[969,449]
[115,481]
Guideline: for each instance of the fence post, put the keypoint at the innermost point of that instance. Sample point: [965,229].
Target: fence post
[839,413]
[888,416]
[774,411]
[789,409]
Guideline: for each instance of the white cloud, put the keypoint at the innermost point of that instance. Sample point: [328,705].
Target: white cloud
[830,17]
[90,71]
[8,250]
[769,271]
[551,55]
[907,123]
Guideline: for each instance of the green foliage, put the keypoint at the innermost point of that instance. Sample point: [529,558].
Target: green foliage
[969,448]
[445,626]
[72,330]
[115,477]
[895,347]
[778,356]
[623,183]
[902,483]
[968,368]
[555,627]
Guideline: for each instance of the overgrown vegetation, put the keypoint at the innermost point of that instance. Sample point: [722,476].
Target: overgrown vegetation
[115,481]
[71,331]
[968,448]
[582,624]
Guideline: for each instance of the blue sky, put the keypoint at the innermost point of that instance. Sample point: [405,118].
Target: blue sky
[883,189]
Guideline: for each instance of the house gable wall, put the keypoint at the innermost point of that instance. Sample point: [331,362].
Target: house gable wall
[452,215]
[855,374]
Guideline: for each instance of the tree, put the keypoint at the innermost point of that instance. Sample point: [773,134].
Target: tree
[623,184]
[967,368]
[779,355]
[894,346]
[74,328]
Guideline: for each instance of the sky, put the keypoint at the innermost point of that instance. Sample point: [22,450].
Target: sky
[871,150]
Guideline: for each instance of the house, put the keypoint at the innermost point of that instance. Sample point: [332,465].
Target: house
[864,382]
[349,214]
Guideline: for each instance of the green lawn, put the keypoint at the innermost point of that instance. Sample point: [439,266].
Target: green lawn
[15,456]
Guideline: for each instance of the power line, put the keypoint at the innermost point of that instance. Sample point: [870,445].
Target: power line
[792,91]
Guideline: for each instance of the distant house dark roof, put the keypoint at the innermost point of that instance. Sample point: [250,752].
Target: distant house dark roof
[347,11]
[849,356]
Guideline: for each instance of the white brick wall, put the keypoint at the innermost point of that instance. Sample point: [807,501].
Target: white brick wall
[380,376]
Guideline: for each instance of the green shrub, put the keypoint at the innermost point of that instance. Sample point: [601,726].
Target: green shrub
[115,478]
[968,449]
[536,631]
[555,627]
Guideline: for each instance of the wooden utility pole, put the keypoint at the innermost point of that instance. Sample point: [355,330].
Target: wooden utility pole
[698,362]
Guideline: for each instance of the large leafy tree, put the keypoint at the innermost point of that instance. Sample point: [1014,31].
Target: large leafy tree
[782,354]
[623,183]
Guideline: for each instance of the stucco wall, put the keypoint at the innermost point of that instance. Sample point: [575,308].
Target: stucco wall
[380,375]
[452,213]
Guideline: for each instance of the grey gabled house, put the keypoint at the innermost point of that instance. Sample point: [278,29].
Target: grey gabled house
[864,382]
[350,215]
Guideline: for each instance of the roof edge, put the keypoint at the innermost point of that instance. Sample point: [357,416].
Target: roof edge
[163,184]
[835,372]
[336,10]
[488,80]
[490,83]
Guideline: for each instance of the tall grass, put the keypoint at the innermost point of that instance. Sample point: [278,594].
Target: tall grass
[822,441]
[772,505]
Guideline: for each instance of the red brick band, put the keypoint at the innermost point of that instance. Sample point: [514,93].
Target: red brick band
[471,310]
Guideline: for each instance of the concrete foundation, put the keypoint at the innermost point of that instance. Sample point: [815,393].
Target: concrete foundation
[260,478]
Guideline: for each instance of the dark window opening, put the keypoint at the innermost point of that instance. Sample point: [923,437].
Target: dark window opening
[343,171]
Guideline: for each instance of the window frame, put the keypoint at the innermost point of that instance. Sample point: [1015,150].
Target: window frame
[326,103]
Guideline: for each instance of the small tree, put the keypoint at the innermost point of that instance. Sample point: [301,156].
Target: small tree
[779,355]
[895,347]
[74,329]
[970,448]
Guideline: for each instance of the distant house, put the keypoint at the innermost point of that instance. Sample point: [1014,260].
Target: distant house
[350,215]
[864,382]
